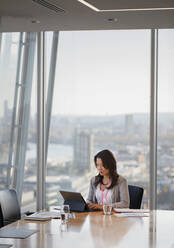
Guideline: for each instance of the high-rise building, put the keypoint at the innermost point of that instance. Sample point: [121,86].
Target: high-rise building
[83,150]
[129,124]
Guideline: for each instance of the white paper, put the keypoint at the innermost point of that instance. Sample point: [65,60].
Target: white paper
[128,210]
[131,214]
[42,216]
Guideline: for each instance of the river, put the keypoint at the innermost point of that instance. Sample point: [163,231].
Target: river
[56,152]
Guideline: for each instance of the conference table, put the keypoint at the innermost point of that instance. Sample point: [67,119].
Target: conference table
[91,230]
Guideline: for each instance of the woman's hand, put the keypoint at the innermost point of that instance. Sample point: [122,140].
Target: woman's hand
[95,206]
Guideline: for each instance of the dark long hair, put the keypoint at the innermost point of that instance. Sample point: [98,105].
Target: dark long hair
[109,162]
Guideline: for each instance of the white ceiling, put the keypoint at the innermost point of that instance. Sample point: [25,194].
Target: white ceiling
[28,15]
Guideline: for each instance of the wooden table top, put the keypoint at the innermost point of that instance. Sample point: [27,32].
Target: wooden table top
[95,230]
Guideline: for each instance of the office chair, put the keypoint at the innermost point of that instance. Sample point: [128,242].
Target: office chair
[1,218]
[136,195]
[10,209]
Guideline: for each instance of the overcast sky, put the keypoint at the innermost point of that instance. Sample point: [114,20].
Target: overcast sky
[106,72]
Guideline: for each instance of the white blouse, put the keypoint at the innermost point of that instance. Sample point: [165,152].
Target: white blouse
[103,197]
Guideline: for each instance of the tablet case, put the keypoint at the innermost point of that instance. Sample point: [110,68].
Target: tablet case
[76,206]
[75,201]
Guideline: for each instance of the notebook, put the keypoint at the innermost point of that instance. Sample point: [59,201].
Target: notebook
[43,216]
[18,233]
[37,217]
[76,201]
[5,245]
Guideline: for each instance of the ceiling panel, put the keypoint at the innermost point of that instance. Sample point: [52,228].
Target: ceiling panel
[132,4]
[26,15]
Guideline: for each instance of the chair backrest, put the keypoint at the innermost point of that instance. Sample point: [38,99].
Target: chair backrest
[1,218]
[9,204]
[136,195]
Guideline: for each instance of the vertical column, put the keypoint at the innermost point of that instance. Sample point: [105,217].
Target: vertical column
[51,81]
[15,108]
[24,113]
[41,121]
[153,119]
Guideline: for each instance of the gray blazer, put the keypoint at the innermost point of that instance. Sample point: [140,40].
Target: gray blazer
[119,194]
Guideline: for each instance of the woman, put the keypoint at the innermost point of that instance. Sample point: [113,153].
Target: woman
[107,187]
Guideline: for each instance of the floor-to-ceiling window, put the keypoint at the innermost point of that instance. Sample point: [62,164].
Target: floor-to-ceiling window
[165,155]
[8,65]
[30,171]
[101,101]
[18,115]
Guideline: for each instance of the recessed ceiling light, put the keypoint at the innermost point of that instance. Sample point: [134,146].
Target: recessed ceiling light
[121,10]
[112,19]
[34,21]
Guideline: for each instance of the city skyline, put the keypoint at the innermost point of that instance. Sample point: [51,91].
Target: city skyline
[126,136]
